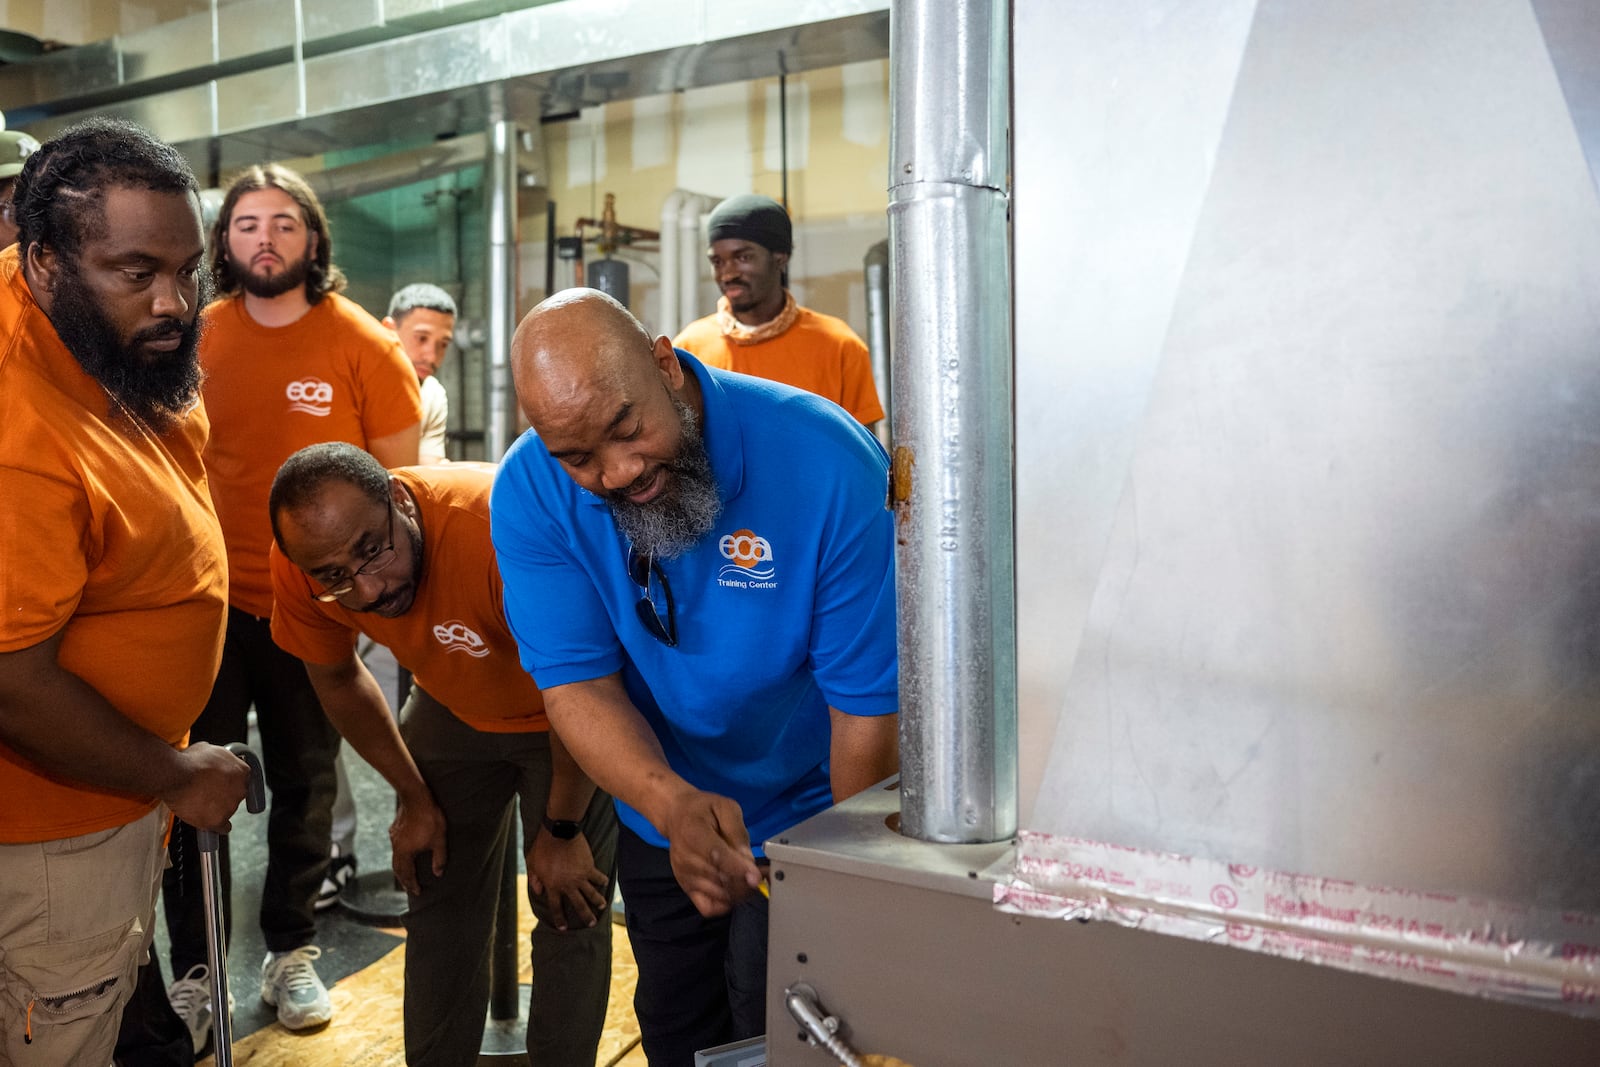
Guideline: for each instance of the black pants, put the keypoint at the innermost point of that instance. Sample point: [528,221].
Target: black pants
[702,982]
[298,747]
[151,1034]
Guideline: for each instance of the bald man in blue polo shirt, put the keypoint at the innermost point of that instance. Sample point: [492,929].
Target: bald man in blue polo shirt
[699,571]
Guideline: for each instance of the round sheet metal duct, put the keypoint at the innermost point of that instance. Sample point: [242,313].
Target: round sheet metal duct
[500,201]
[951,483]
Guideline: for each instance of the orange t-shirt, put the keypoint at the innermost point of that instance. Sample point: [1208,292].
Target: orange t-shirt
[454,640]
[819,353]
[107,533]
[334,375]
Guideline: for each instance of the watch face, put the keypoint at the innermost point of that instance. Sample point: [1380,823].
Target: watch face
[562,829]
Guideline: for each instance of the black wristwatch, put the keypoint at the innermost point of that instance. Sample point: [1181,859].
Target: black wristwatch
[562,829]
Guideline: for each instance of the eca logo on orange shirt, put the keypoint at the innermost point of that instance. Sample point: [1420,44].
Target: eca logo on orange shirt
[457,636]
[750,561]
[313,396]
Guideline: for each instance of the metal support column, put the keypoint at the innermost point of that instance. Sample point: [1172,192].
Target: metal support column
[504,1042]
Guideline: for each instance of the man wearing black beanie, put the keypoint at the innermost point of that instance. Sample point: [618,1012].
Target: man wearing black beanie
[759,329]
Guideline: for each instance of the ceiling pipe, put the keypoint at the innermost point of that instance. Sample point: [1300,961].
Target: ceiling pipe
[691,254]
[876,269]
[500,202]
[667,317]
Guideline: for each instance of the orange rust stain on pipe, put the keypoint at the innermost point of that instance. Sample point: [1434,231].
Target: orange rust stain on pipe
[900,465]
[900,475]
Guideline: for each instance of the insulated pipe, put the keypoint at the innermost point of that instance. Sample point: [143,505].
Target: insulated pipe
[667,318]
[500,181]
[691,253]
[951,484]
[876,268]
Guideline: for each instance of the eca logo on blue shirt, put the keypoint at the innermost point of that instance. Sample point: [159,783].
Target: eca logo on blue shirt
[750,563]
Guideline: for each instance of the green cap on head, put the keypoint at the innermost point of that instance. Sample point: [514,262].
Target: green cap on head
[15,148]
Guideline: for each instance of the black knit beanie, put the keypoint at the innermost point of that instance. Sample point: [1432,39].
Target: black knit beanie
[760,219]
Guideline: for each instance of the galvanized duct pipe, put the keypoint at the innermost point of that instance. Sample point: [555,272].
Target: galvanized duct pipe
[500,186]
[950,69]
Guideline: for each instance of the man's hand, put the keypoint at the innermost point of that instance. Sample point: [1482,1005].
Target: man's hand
[710,852]
[418,827]
[563,872]
[213,782]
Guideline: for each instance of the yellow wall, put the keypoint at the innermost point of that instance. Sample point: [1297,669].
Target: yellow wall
[838,178]
[722,141]
[81,21]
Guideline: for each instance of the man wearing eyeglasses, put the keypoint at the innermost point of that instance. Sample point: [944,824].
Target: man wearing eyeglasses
[699,574]
[405,558]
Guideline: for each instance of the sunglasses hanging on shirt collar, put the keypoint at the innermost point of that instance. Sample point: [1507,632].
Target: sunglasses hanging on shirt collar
[662,628]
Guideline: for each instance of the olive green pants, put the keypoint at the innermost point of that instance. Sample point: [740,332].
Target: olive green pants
[475,777]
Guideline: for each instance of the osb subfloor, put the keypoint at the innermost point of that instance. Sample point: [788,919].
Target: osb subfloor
[366,1029]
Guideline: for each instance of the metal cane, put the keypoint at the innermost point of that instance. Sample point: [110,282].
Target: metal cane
[255,800]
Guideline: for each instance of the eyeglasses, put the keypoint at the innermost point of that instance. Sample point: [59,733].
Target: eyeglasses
[375,563]
[665,630]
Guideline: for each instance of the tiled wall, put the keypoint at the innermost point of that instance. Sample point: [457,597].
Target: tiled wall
[429,231]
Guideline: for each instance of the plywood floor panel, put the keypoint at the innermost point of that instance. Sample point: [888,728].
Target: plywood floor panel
[366,1030]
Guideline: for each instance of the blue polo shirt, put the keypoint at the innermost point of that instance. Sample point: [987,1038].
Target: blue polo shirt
[786,608]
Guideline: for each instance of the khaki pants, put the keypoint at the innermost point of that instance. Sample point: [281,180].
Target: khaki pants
[76,919]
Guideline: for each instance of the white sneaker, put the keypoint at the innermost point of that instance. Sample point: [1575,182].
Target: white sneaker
[289,982]
[191,999]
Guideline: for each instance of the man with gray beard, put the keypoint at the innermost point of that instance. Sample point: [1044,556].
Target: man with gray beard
[699,572]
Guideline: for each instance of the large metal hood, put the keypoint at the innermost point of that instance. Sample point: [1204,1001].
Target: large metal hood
[279,78]
[1307,459]
[1308,482]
